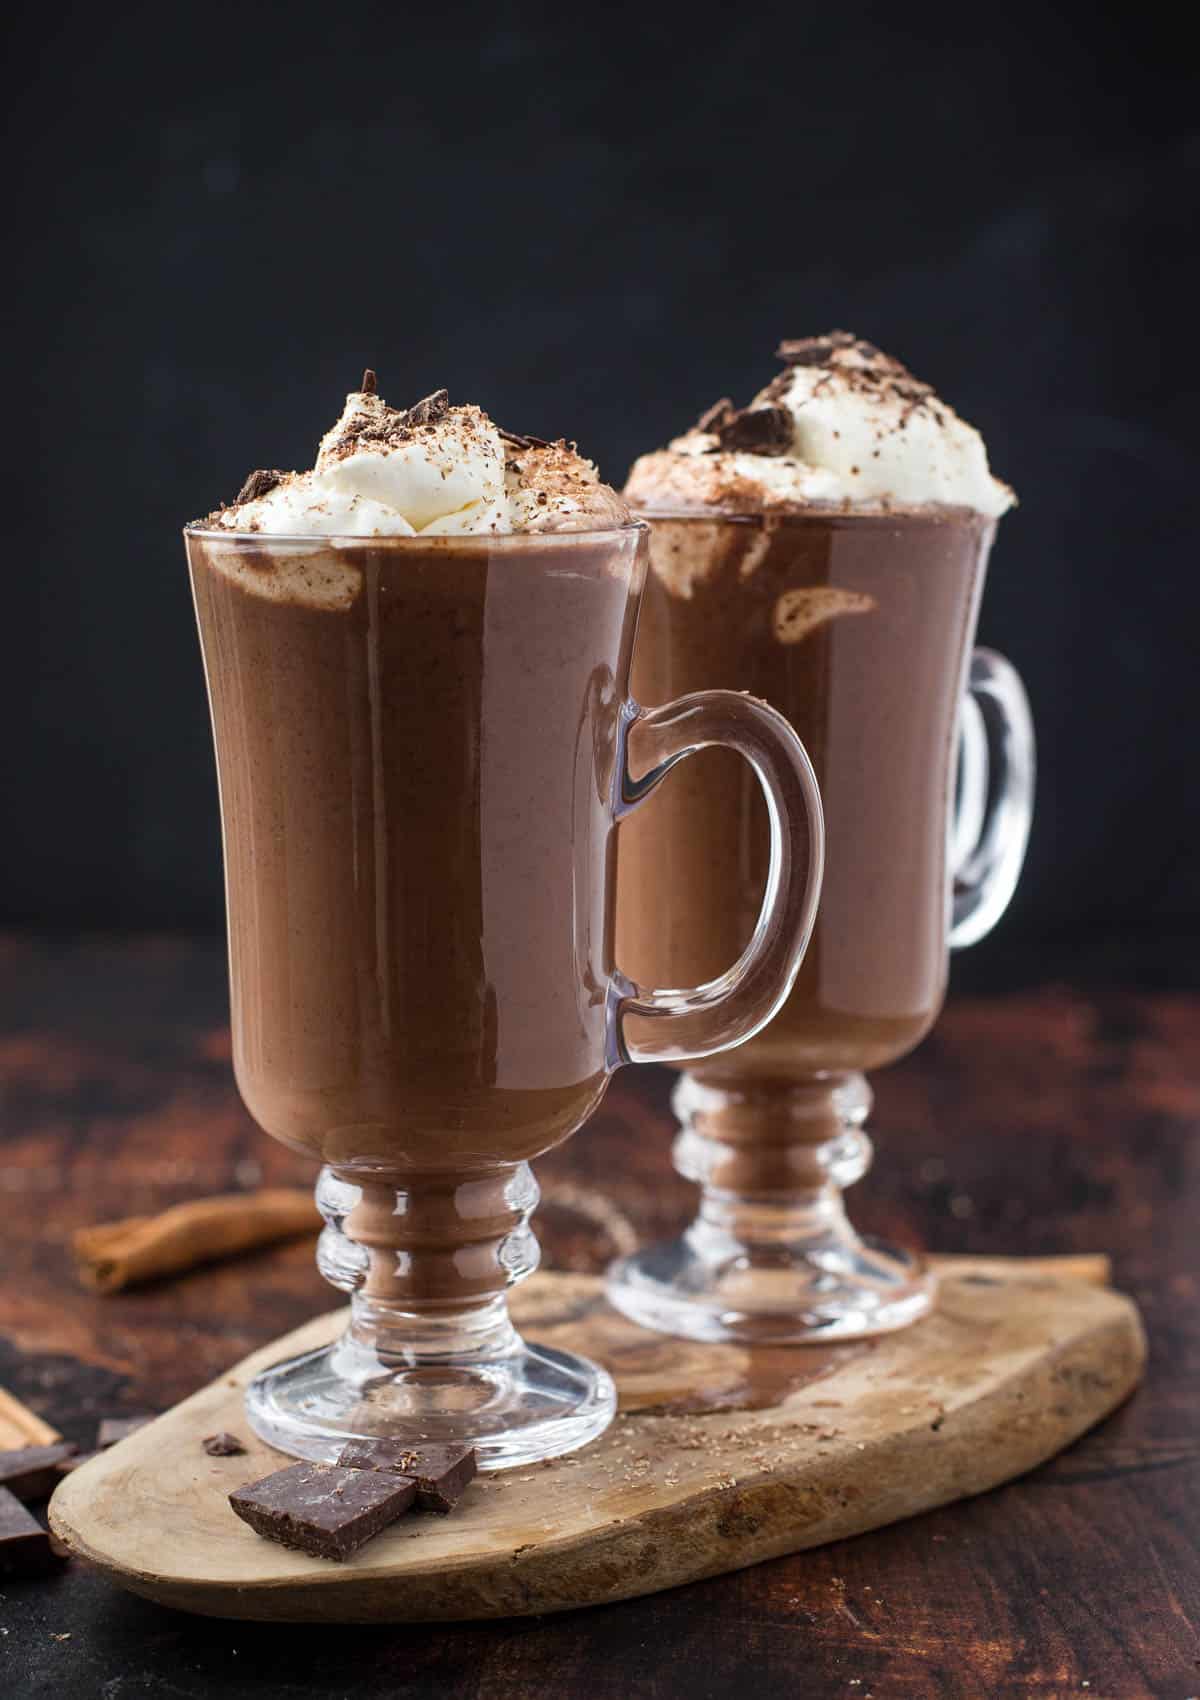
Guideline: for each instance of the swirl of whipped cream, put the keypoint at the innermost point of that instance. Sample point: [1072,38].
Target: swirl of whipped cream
[431,469]
[843,425]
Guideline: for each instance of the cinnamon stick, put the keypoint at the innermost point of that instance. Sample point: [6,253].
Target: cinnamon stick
[113,1255]
[19,1426]
[1093,1268]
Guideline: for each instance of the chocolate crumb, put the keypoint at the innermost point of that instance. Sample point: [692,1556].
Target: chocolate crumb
[370,383]
[222,1445]
[259,484]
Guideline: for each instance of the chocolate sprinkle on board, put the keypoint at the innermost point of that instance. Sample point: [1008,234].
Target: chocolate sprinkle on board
[519,441]
[759,430]
[439,1473]
[222,1445]
[323,1509]
[370,383]
[258,484]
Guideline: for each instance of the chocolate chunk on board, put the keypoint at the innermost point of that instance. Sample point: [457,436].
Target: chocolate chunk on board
[322,1509]
[113,1429]
[222,1445]
[440,1472]
[25,1547]
[33,1472]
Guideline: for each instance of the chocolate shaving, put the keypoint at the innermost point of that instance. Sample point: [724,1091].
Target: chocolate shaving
[760,430]
[370,383]
[429,410]
[717,415]
[519,441]
[815,350]
[258,484]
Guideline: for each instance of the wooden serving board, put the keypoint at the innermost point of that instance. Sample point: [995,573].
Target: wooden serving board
[719,1457]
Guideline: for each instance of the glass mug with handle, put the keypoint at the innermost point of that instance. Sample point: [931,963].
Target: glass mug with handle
[422,761]
[859,628]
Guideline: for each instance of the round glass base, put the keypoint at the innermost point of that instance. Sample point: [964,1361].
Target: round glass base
[793,1294]
[529,1404]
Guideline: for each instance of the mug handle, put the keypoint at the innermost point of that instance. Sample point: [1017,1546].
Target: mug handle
[655,1025]
[993,806]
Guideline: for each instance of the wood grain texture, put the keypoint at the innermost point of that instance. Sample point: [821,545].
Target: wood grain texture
[1064,1121]
[1010,1369]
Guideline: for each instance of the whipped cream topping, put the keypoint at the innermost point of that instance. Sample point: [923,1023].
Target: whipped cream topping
[843,425]
[431,469]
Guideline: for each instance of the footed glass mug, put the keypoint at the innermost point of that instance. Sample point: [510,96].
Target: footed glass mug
[859,629]
[422,758]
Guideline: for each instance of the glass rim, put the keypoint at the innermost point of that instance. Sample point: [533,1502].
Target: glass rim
[396,540]
[932,514]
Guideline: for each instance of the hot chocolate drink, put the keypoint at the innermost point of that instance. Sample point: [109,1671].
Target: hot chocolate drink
[856,627]
[417,657]
[823,549]
[398,994]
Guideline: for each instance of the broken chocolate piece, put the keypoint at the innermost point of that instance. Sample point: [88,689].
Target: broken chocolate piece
[222,1445]
[760,430]
[258,484]
[322,1509]
[370,383]
[32,1472]
[25,1548]
[113,1429]
[440,1472]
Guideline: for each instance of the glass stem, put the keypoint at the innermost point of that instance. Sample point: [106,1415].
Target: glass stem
[771,1161]
[428,1259]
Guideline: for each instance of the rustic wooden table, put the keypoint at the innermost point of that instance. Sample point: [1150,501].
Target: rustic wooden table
[1054,1122]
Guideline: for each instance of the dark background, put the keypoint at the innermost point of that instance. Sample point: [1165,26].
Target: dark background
[595,228]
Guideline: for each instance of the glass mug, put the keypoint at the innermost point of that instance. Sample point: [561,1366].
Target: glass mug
[422,759]
[858,628]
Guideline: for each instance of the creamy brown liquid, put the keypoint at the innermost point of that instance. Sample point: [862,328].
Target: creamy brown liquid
[416,793]
[857,629]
